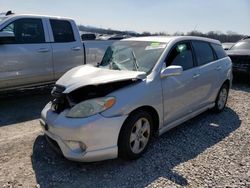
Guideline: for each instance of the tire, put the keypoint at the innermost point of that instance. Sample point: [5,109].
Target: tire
[221,99]
[135,135]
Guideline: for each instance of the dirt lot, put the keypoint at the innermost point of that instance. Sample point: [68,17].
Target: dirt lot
[211,150]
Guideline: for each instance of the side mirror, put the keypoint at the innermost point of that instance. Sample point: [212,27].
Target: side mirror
[6,37]
[5,34]
[173,70]
[89,36]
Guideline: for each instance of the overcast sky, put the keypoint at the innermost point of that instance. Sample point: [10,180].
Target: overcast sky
[145,15]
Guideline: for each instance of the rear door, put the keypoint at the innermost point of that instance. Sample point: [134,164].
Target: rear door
[27,59]
[180,92]
[66,44]
[209,70]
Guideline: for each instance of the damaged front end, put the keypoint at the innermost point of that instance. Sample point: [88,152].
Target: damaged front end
[63,100]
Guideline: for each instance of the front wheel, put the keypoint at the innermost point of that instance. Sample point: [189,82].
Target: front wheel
[221,99]
[135,135]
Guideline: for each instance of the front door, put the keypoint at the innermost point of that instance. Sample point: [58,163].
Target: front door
[27,58]
[180,92]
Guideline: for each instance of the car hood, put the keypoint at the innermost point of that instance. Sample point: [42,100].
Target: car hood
[89,75]
[238,52]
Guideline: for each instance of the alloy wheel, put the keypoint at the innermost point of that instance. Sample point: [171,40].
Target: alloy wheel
[222,98]
[139,136]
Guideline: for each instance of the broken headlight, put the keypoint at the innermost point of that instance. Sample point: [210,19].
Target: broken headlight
[91,107]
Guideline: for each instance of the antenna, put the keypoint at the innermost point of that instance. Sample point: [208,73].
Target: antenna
[195,27]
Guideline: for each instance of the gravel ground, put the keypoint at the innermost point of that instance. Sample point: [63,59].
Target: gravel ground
[211,150]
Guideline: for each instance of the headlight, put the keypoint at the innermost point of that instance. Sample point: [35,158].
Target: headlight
[91,107]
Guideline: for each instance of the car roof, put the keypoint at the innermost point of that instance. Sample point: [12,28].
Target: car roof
[3,18]
[167,39]
[33,16]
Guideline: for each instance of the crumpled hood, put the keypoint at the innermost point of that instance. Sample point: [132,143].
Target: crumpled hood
[89,75]
[238,52]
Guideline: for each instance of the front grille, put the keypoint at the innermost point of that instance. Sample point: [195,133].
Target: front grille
[241,61]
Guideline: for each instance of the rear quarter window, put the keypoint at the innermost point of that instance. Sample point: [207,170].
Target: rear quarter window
[219,51]
[203,51]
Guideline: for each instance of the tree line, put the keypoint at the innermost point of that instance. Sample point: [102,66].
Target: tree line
[222,37]
[229,36]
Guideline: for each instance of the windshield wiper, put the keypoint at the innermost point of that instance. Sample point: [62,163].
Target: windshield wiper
[135,61]
[113,65]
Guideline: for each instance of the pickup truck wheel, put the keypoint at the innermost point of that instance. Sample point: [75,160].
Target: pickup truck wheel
[221,99]
[135,135]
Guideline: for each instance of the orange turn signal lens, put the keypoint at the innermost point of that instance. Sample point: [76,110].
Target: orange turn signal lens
[109,102]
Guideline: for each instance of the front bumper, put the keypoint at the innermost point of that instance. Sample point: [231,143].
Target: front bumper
[83,139]
[241,71]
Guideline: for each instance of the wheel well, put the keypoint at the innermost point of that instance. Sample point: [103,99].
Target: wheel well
[153,113]
[227,83]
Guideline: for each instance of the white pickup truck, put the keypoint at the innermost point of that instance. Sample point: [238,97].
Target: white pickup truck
[37,50]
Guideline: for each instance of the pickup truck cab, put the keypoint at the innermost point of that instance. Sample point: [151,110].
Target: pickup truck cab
[36,50]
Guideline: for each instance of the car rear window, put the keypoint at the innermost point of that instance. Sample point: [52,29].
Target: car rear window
[62,31]
[219,51]
[203,51]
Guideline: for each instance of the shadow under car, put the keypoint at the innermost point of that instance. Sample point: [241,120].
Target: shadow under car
[177,146]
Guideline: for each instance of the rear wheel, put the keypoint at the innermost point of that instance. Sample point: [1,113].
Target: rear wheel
[221,99]
[135,135]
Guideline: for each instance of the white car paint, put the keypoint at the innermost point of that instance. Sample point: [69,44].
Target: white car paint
[174,98]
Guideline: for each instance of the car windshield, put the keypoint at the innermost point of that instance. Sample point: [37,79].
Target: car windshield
[242,45]
[132,55]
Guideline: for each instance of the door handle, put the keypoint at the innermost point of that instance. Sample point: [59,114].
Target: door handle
[196,76]
[218,68]
[43,50]
[77,48]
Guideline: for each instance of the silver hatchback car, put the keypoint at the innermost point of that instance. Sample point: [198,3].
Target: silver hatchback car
[142,87]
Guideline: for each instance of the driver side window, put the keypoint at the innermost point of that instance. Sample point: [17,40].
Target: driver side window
[181,55]
[26,31]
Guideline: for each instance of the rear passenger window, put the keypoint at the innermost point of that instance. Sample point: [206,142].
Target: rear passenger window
[62,31]
[204,53]
[219,51]
[181,55]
